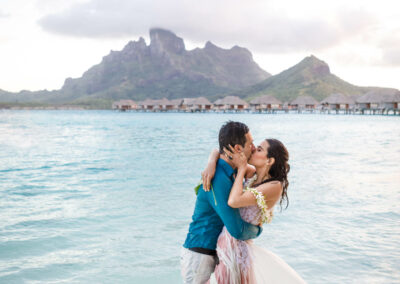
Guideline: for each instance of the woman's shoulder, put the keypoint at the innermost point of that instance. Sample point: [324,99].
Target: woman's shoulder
[271,188]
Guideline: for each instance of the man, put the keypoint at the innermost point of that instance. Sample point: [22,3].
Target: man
[211,212]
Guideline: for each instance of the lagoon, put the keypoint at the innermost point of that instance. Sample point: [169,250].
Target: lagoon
[107,197]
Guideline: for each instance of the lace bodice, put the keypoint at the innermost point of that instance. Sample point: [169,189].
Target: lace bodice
[253,214]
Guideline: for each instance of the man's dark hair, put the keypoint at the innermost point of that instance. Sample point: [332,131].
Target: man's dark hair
[232,133]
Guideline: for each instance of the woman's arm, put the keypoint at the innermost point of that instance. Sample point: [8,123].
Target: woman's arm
[250,171]
[271,191]
[237,198]
[209,171]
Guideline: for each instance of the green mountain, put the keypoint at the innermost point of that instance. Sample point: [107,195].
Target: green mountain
[164,68]
[309,77]
[26,98]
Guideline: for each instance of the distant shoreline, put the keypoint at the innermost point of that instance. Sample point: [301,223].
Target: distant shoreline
[47,107]
[275,112]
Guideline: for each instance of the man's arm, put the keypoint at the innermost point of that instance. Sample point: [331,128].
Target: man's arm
[235,225]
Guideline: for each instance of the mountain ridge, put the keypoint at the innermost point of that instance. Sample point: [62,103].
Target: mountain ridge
[164,68]
[311,77]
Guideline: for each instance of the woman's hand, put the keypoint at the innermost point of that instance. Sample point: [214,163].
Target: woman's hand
[238,159]
[207,175]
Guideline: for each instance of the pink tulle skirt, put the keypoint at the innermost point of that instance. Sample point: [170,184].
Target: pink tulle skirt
[235,260]
[242,262]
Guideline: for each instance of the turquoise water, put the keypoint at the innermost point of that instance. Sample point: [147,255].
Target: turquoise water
[106,197]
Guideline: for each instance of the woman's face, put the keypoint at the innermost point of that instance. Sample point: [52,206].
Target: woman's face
[259,157]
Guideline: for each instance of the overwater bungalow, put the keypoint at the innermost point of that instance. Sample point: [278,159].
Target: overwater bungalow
[266,103]
[354,98]
[159,105]
[124,105]
[303,103]
[337,102]
[379,100]
[286,106]
[231,103]
[196,104]
[163,104]
[176,104]
[391,100]
[147,104]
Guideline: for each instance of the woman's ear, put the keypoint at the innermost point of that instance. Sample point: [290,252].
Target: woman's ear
[271,161]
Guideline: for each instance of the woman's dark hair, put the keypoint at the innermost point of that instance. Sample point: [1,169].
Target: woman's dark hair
[232,133]
[281,167]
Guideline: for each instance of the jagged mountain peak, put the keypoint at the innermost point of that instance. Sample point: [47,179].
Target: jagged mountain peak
[316,66]
[235,50]
[135,45]
[162,40]
[210,45]
[242,50]
[313,60]
[162,32]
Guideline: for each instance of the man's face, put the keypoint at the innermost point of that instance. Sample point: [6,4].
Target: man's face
[249,147]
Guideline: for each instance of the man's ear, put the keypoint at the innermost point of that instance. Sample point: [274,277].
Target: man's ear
[238,148]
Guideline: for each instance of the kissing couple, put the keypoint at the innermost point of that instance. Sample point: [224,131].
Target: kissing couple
[241,185]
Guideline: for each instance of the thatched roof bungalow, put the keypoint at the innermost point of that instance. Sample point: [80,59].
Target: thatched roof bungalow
[161,104]
[176,103]
[303,102]
[194,104]
[147,104]
[124,105]
[266,102]
[285,105]
[379,99]
[164,104]
[231,103]
[338,101]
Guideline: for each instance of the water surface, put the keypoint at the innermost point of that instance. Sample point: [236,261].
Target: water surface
[106,197]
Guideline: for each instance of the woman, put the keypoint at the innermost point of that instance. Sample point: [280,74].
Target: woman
[266,184]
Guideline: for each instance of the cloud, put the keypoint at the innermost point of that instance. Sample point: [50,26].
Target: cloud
[259,25]
[390,46]
[391,57]
[3,15]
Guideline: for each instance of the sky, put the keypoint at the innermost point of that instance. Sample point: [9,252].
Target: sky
[43,42]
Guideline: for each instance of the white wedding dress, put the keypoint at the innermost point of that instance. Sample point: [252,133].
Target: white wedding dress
[242,262]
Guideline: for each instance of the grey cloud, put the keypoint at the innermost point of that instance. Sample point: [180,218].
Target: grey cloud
[225,22]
